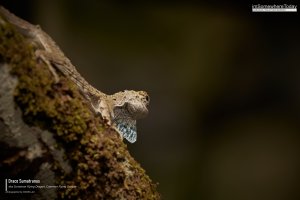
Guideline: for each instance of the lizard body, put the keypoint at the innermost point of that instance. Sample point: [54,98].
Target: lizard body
[121,109]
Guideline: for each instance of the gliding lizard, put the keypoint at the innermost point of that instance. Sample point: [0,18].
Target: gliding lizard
[121,109]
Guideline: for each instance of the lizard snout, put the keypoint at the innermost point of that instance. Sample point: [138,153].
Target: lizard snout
[137,111]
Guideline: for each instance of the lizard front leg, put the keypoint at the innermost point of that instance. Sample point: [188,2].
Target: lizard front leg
[46,57]
[100,106]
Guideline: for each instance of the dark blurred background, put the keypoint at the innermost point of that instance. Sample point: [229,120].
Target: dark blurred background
[224,83]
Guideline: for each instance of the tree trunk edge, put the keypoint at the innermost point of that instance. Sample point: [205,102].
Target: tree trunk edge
[50,134]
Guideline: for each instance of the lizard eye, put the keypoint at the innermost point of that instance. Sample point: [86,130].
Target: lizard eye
[147,98]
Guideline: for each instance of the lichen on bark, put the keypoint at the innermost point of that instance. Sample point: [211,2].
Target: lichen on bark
[101,166]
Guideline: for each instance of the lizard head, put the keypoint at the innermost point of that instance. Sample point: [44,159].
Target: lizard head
[128,106]
[137,106]
[133,103]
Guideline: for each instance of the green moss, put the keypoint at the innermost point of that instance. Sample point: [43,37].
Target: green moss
[102,166]
[44,103]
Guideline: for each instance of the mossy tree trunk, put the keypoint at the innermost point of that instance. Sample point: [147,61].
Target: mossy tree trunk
[48,133]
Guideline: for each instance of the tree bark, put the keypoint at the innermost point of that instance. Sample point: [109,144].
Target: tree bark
[48,133]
